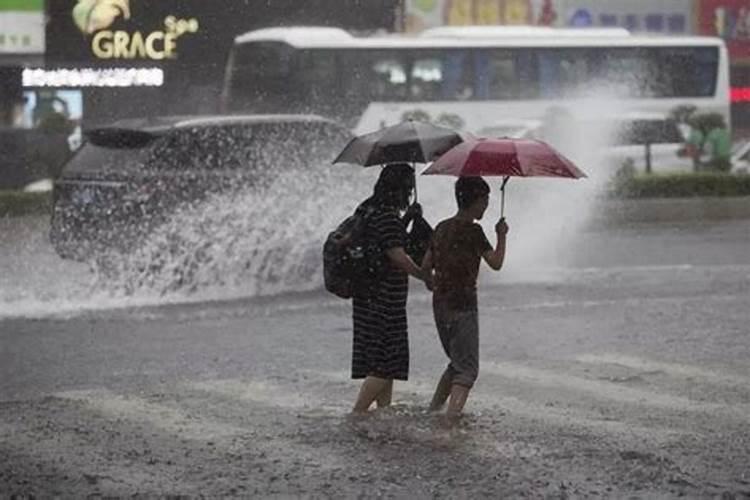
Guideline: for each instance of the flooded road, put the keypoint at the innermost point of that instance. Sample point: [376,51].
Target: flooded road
[619,371]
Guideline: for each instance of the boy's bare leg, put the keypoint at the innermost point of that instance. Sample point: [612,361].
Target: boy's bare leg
[442,391]
[385,396]
[456,403]
[368,392]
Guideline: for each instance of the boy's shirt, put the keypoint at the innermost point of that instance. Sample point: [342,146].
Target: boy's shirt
[457,247]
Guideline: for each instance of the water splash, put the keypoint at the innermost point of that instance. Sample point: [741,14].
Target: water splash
[249,242]
[253,242]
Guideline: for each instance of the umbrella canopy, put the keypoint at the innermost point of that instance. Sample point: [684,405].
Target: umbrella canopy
[504,158]
[409,141]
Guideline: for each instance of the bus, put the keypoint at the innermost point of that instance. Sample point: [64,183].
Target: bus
[472,77]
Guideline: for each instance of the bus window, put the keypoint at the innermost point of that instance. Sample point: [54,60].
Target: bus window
[692,70]
[259,71]
[426,79]
[502,76]
[660,72]
[458,82]
[373,76]
[562,72]
[316,78]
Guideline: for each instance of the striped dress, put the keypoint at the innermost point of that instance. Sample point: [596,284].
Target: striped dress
[381,343]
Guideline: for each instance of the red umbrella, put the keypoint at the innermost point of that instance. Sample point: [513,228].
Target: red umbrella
[504,158]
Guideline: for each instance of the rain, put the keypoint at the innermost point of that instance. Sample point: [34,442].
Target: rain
[173,175]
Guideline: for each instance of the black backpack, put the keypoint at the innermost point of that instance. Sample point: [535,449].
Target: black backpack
[350,262]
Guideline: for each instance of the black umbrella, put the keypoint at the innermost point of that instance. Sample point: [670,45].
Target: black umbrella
[409,141]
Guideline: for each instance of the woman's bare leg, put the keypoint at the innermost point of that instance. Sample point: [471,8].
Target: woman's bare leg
[442,391]
[368,392]
[386,395]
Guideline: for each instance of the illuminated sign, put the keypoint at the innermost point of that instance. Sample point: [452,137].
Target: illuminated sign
[95,18]
[89,77]
[740,94]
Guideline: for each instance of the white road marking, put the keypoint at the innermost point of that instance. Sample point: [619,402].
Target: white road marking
[611,391]
[160,416]
[675,369]
[483,401]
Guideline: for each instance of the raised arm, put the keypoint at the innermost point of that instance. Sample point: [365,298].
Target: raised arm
[494,258]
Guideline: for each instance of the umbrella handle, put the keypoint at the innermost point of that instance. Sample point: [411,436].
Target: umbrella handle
[502,196]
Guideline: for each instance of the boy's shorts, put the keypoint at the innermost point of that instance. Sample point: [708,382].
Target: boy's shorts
[459,334]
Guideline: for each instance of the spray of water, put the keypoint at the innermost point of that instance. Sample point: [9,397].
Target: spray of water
[252,242]
[249,242]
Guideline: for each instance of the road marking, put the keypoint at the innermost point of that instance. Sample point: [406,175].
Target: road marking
[160,416]
[193,427]
[485,402]
[676,369]
[264,392]
[611,391]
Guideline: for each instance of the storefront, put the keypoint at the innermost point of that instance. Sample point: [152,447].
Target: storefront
[109,59]
[21,46]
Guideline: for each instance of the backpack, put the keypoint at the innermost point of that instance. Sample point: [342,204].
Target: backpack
[350,263]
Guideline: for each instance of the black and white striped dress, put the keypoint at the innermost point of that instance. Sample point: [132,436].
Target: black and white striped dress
[381,343]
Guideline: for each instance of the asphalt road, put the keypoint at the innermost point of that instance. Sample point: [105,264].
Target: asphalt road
[622,374]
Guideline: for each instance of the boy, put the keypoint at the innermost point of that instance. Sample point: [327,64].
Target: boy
[457,245]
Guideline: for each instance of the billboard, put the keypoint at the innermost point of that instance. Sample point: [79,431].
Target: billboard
[161,33]
[729,19]
[655,16]
[21,26]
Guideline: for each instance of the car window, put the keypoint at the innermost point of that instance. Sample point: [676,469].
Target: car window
[253,147]
[111,151]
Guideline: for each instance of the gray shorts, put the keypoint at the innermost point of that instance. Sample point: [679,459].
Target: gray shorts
[459,334]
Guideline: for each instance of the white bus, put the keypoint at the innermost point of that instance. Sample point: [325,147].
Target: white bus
[472,77]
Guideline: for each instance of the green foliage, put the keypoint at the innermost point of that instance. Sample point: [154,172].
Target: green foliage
[14,203]
[679,185]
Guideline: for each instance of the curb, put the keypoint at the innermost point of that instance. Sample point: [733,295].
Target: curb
[656,210]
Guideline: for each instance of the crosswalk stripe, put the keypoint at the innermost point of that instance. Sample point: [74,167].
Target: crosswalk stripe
[675,369]
[195,427]
[263,392]
[610,391]
[160,416]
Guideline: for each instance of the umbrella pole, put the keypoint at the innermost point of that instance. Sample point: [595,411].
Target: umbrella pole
[416,195]
[502,196]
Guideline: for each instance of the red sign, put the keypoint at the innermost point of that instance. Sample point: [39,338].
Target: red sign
[730,20]
[740,94]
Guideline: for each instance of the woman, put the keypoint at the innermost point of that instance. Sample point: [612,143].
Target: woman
[381,345]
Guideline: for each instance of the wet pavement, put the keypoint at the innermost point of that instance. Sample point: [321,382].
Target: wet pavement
[621,374]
